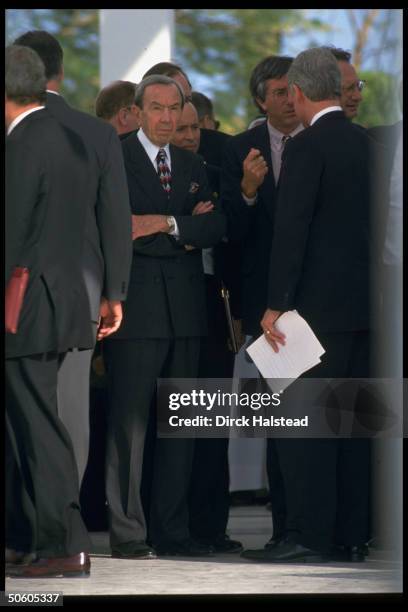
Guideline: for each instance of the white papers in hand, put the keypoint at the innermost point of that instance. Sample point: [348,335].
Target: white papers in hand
[301,352]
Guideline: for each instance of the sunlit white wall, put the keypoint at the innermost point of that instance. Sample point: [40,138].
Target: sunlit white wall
[133,40]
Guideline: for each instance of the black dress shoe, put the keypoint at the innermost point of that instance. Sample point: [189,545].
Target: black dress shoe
[283,552]
[133,550]
[274,541]
[56,567]
[349,554]
[15,557]
[185,548]
[223,544]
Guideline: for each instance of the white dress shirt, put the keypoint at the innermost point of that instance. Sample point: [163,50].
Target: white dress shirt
[277,140]
[152,151]
[329,109]
[17,120]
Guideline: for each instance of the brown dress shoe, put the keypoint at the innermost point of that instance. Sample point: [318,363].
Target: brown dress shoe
[55,567]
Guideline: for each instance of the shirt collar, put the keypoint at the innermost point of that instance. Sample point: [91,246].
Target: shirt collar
[152,149]
[53,92]
[22,116]
[329,109]
[276,136]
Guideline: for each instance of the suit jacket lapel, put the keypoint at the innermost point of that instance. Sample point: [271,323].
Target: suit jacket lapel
[268,187]
[143,172]
[180,180]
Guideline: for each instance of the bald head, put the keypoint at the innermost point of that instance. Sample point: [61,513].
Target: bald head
[187,135]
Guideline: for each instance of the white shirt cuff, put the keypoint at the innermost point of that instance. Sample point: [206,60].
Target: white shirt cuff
[175,232]
[249,201]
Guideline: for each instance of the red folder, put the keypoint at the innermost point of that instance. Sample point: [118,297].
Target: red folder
[15,291]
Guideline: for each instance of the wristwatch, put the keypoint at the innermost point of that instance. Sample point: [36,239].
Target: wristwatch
[171,222]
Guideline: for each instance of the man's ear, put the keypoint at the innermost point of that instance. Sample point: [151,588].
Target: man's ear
[298,93]
[261,104]
[122,116]
[208,122]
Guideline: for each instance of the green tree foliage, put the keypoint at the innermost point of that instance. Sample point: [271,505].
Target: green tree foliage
[380,105]
[78,33]
[223,44]
[226,44]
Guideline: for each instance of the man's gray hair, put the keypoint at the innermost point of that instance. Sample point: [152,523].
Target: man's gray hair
[341,55]
[317,74]
[25,80]
[156,79]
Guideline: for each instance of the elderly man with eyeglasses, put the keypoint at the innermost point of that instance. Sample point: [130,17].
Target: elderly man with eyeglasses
[351,86]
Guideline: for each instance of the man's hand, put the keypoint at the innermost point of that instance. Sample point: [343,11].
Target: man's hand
[273,336]
[255,169]
[202,208]
[110,318]
[146,225]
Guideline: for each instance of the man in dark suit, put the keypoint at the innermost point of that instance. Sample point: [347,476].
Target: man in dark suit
[321,240]
[250,176]
[351,86]
[205,110]
[47,169]
[115,104]
[164,317]
[209,486]
[212,142]
[212,145]
[107,248]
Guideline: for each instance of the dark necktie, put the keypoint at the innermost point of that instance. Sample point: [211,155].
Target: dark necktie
[284,142]
[163,171]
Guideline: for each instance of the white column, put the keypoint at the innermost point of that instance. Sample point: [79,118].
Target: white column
[133,40]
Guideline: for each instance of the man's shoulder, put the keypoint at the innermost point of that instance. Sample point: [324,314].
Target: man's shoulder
[214,136]
[338,128]
[41,137]
[318,138]
[250,136]
[77,119]
[91,123]
[126,135]
[130,144]
[212,145]
[186,157]
[35,128]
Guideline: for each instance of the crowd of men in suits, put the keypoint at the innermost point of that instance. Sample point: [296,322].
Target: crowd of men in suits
[130,225]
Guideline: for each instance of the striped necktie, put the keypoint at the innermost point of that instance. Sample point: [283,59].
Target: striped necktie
[284,141]
[163,171]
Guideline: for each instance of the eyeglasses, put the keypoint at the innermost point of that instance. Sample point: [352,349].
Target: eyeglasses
[357,85]
[280,94]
